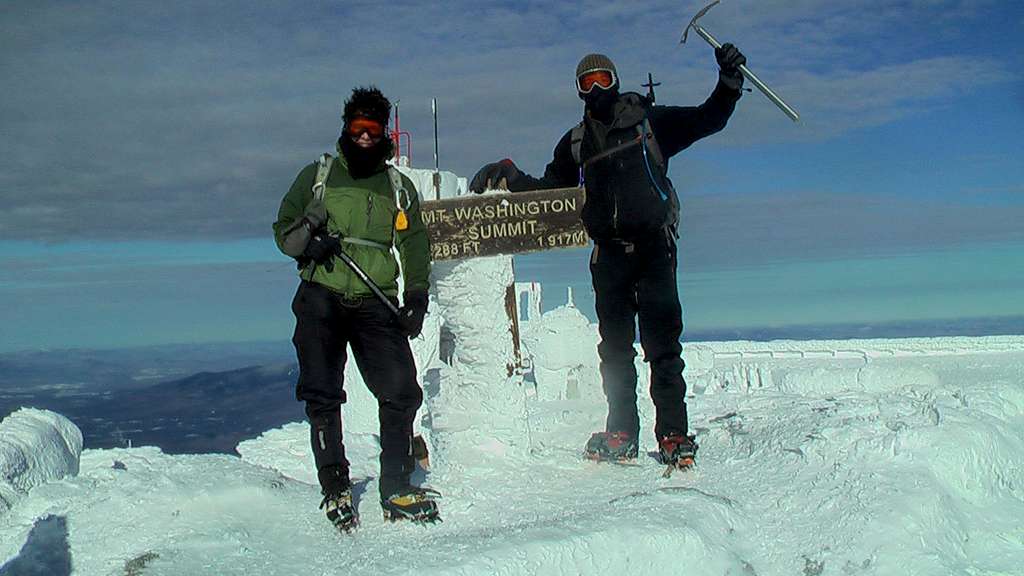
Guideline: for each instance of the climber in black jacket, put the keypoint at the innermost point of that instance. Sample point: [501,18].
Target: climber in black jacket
[620,152]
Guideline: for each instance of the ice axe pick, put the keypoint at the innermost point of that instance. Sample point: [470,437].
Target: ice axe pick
[743,67]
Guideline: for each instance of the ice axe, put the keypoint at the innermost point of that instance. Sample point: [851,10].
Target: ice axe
[362,275]
[419,446]
[358,271]
[743,67]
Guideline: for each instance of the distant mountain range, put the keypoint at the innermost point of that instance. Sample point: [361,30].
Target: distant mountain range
[117,397]
[193,398]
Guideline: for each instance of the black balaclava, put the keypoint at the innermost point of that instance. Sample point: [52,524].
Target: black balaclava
[369,103]
[600,102]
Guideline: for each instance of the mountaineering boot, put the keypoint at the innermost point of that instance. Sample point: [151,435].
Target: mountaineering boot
[340,511]
[677,450]
[611,447]
[411,503]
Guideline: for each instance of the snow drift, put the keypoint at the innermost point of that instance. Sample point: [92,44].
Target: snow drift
[811,465]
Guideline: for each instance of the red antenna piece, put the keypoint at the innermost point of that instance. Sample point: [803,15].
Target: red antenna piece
[396,136]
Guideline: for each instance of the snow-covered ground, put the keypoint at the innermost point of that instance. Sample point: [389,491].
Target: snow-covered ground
[827,457]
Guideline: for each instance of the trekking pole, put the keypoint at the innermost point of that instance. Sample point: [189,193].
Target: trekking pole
[743,67]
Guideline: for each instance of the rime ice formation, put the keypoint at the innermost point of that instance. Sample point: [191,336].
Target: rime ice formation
[451,185]
[562,347]
[36,446]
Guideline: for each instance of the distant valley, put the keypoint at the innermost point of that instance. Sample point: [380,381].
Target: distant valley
[140,397]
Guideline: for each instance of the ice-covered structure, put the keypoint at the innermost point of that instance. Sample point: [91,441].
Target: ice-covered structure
[36,446]
[449,184]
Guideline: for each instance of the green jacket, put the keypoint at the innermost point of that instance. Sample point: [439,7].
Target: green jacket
[364,209]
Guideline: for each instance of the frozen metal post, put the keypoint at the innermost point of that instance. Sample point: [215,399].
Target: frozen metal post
[437,168]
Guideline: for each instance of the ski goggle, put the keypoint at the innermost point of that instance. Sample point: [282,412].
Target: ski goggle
[602,78]
[357,126]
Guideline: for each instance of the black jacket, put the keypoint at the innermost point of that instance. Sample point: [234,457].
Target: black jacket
[627,189]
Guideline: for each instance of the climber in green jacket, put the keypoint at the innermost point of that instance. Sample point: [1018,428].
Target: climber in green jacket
[356,203]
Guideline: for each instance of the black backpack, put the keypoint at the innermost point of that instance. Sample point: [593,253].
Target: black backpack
[654,160]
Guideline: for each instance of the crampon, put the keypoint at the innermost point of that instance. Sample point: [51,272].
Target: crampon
[413,504]
[340,511]
[620,447]
[677,452]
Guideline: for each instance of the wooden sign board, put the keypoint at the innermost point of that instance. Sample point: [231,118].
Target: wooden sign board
[506,223]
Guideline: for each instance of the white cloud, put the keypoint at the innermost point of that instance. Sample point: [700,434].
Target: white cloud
[190,119]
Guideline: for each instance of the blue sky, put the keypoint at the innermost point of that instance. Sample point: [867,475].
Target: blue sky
[145,148]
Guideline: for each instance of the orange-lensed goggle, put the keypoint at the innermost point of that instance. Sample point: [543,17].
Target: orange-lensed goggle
[357,126]
[601,78]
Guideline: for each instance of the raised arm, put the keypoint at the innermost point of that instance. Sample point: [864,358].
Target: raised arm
[677,127]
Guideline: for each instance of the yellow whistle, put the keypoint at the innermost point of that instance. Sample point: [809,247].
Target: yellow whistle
[401,222]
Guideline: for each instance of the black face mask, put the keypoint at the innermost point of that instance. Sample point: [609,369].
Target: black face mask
[364,162]
[601,103]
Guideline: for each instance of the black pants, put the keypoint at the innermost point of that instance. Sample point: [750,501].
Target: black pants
[324,325]
[631,280]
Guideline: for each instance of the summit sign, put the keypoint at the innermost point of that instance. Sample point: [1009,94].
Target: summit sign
[508,223]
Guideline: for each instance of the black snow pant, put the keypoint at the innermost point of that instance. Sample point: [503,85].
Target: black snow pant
[325,324]
[631,280]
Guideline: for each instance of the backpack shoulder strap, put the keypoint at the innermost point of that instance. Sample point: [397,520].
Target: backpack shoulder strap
[402,198]
[645,132]
[576,141]
[650,147]
[323,170]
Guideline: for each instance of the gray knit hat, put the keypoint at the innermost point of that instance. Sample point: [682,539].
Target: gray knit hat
[595,62]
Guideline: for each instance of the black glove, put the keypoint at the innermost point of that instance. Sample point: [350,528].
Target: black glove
[315,214]
[495,175]
[321,249]
[295,237]
[729,60]
[410,315]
